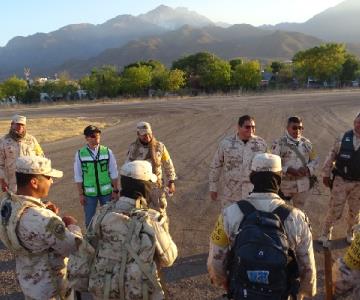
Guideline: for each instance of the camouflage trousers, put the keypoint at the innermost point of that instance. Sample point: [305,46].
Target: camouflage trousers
[343,191]
[299,199]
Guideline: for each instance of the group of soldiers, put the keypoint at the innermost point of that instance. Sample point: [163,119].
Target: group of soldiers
[289,173]
[127,240]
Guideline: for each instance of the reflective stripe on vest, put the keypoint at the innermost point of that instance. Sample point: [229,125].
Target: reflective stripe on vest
[95,170]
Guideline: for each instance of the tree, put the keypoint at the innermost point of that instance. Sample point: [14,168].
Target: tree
[349,69]
[168,81]
[247,75]
[136,80]
[204,70]
[276,66]
[14,86]
[235,62]
[102,82]
[216,75]
[323,62]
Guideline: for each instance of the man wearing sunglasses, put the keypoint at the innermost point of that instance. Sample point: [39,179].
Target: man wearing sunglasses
[95,173]
[299,161]
[15,144]
[343,165]
[233,158]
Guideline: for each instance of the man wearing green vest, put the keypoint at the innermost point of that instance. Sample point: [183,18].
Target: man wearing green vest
[95,173]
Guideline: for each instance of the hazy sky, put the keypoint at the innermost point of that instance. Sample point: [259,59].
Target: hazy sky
[25,17]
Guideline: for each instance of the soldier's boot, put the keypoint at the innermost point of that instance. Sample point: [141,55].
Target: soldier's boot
[325,238]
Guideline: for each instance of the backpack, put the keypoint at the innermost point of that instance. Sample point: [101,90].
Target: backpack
[262,265]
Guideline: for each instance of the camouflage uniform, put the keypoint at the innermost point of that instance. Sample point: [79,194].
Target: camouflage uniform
[139,151]
[44,243]
[234,157]
[295,187]
[10,150]
[296,226]
[342,191]
[115,270]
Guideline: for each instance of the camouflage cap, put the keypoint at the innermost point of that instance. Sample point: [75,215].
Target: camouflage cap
[138,169]
[143,128]
[36,165]
[18,119]
[266,162]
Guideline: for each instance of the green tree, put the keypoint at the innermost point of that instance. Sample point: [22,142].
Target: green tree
[2,94]
[168,81]
[276,66]
[14,86]
[136,80]
[204,70]
[235,62]
[350,68]
[247,75]
[323,62]
[285,74]
[102,82]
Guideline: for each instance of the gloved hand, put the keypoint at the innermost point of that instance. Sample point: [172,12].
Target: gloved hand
[69,220]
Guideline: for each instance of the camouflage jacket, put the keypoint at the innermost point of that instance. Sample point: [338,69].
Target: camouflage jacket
[10,150]
[233,157]
[296,227]
[334,151]
[41,271]
[161,158]
[283,147]
[130,243]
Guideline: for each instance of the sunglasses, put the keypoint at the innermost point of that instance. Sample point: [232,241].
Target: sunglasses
[93,136]
[249,127]
[297,128]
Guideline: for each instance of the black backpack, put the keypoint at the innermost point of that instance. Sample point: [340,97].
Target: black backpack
[261,264]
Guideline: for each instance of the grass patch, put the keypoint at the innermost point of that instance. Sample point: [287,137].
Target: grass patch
[53,129]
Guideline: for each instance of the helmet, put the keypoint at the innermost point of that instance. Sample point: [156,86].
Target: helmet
[138,169]
[266,162]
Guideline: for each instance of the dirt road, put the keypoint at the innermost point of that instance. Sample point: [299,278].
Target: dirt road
[191,130]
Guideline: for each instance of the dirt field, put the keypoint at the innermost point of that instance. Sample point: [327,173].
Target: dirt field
[191,130]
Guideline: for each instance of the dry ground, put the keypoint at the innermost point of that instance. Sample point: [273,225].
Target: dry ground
[191,129]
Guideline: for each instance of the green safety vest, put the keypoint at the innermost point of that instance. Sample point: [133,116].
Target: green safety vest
[95,170]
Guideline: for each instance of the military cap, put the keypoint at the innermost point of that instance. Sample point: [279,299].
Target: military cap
[266,162]
[138,169]
[143,128]
[18,119]
[37,165]
[91,129]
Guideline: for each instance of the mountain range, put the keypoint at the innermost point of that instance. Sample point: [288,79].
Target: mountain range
[167,34]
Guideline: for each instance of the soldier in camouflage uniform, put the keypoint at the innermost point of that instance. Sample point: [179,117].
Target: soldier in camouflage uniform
[13,145]
[296,227]
[233,157]
[147,147]
[38,237]
[131,241]
[299,162]
[343,162]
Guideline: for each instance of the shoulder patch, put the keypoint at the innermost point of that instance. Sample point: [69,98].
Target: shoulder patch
[56,227]
[218,236]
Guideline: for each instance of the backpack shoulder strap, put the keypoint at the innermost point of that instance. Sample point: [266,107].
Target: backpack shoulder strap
[282,211]
[246,207]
